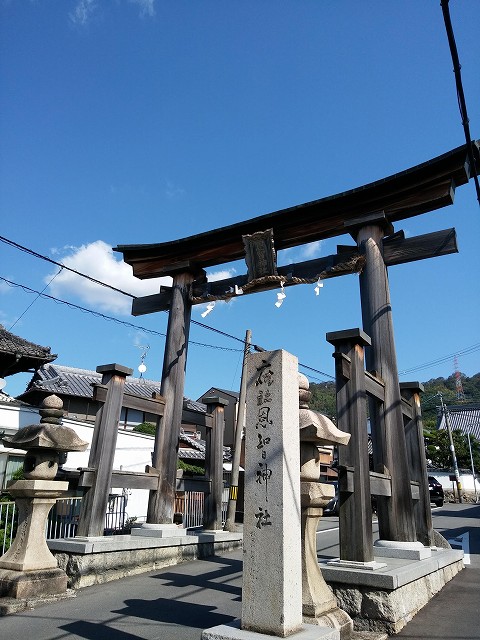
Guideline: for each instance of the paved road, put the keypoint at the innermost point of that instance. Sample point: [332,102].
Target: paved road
[179,602]
[454,613]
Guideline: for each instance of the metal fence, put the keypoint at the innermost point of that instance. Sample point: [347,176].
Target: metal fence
[8,524]
[63,518]
[191,503]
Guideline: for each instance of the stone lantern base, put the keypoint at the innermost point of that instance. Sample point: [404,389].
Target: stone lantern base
[28,569]
[32,584]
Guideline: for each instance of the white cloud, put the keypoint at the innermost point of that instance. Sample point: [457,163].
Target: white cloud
[312,250]
[82,12]
[220,275]
[172,191]
[4,288]
[98,261]
[147,7]
[299,254]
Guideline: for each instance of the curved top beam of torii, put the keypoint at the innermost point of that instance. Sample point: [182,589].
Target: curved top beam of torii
[425,187]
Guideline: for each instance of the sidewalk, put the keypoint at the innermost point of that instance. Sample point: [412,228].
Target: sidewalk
[177,603]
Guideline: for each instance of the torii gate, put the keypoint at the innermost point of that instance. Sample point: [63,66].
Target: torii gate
[367,213]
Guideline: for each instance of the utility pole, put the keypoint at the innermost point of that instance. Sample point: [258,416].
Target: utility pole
[452,449]
[232,497]
[473,466]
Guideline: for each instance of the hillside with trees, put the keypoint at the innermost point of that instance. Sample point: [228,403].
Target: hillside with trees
[436,442]
[323,396]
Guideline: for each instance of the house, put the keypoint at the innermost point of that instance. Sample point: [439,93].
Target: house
[18,355]
[464,417]
[75,387]
[231,411]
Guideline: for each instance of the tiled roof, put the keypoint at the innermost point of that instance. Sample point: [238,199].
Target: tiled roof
[193,405]
[197,449]
[62,380]
[18,354]
[10,343]
[233,394]
[466,418]
[56,378]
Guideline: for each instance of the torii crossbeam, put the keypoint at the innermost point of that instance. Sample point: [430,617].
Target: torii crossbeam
[367,213]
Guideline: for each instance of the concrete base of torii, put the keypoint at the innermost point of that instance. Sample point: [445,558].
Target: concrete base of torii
[233,631]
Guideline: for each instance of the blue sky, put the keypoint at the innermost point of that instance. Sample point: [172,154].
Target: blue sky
[140,121]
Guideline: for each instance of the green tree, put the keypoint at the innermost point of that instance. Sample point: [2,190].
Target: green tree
[145,427]
[190,469]
[438,451]
[323,398]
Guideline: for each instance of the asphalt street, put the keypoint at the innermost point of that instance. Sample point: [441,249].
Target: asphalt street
[177,603]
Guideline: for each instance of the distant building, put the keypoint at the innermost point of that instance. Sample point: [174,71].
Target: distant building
[18,355]
[464,417]
[75,388]
[231,411]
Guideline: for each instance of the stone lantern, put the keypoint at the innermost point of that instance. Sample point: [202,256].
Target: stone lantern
[28,569]
[319,604]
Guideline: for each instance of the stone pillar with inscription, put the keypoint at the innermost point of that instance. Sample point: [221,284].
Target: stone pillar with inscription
[272,564]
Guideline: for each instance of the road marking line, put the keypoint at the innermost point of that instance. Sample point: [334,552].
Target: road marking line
[462,542]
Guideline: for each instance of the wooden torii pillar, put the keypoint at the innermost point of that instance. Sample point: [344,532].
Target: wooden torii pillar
[161,505]
[355,519]
[396,520]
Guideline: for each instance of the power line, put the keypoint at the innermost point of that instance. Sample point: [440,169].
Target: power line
[31,252]
[105,317]
[63,266]
[325,375]
[462,105]
[471,349]
[33,301]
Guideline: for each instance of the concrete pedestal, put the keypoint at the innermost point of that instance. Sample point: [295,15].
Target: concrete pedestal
[29,584]
[159,531]
[28,569]
[34,499]
[234,632]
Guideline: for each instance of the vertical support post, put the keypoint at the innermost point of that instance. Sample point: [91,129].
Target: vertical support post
[418,462]
[161,506]
[233,492]
[95,501]
[272,575]
[355,508]
[395,514]
[212,512]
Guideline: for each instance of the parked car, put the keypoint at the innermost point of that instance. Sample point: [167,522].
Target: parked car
[436,491]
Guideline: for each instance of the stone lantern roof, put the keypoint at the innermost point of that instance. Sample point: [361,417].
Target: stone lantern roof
[49,434]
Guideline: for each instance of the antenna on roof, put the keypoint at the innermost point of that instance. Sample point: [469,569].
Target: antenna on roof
[142,367]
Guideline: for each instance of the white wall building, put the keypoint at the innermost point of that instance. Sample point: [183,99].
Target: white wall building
[133,451]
